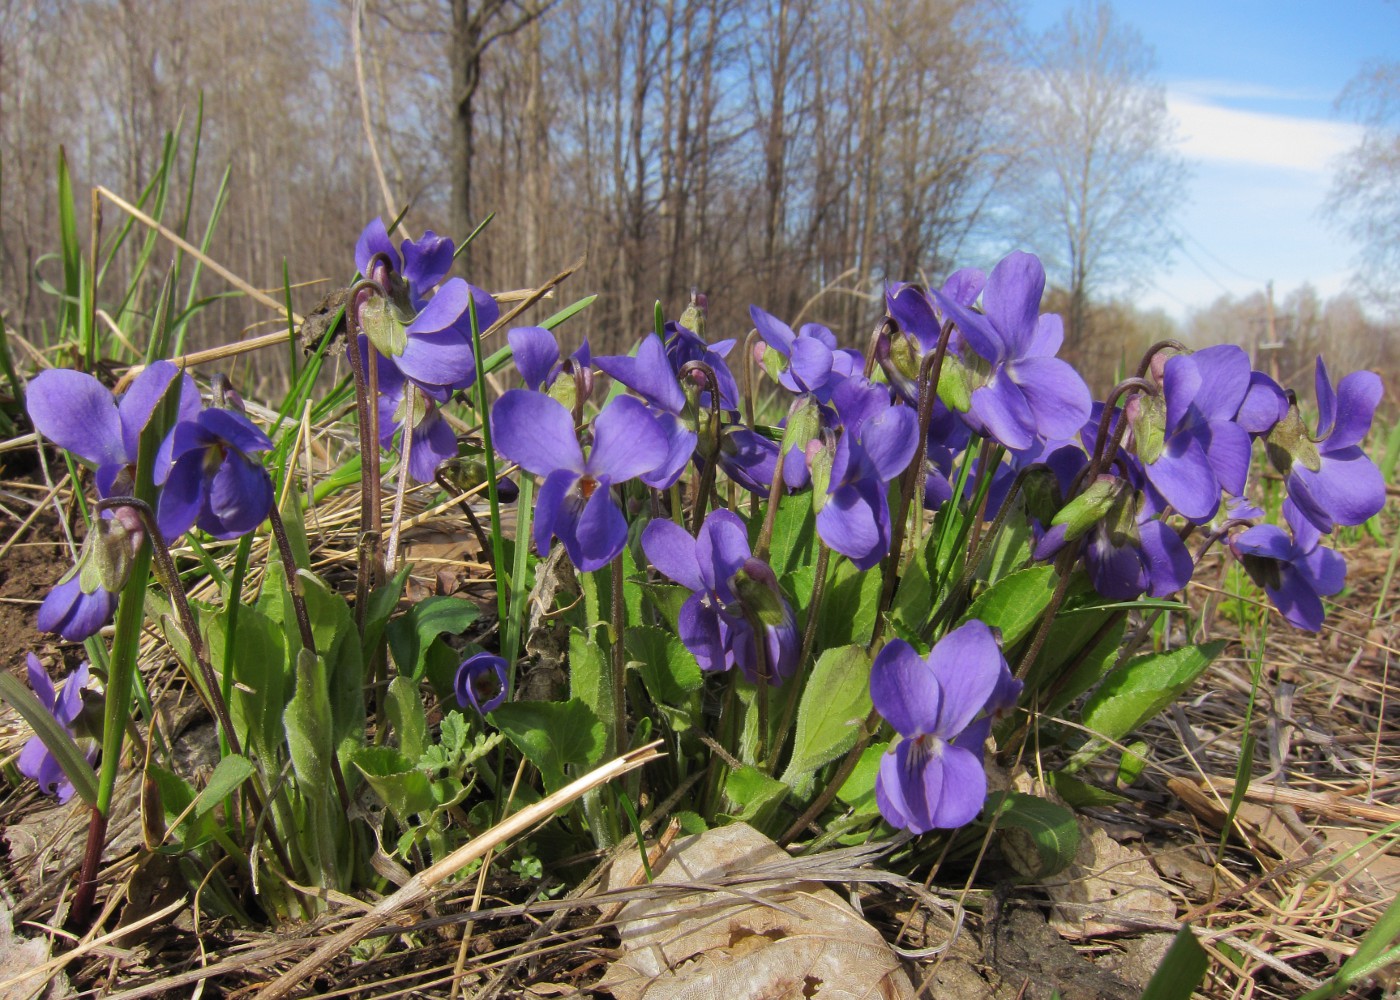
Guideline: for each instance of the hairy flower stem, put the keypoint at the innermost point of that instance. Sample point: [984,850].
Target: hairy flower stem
[770,516]
[289,569]
[365,404]
[750,407]
[929,372]
[707,474]
[619,658]
[760,651]
[1106,450]
[809,636]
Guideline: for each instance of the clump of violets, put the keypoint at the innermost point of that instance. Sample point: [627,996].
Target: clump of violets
[933,777]
[481,683]
[731,592]
[36,761]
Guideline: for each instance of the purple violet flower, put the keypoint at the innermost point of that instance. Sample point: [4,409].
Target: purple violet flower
[35,760]
[536,355]
[1328,477]
[878,440]
[433,440]
[428,340]
[813,362]
[84,600]
[933,778]
[212,482]
[1189,443]
[684,345]
[76,412]
[1295,572]
[728,587]
[575,502]
[481,683]
[1016,389]
[901,354]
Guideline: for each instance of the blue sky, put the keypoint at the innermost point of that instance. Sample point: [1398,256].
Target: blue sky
[1251,85]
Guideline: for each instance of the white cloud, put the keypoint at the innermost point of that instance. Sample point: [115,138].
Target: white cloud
[1214,133]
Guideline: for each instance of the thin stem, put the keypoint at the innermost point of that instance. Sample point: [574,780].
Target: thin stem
[170,578]
[770,516]
[930,371]
[289,569]
[746,373]
[466,508]
[707,474]
[363,404]
[760,649]
[619,658]
[868,729]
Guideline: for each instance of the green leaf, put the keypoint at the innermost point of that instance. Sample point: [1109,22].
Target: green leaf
[378,609]
[849,606]
[55,738]
[1015,603]
[668,670]
[262,674]
[404,789]
[1132,763]
[411,635]
[338,644]
[406,716]
[793,534]
[310,740]
[227,776]
[551,735]
[1182,970]
[835,702]
[1091,664]
[1051,827]
[859,790]
[1143,686]
[755,795]
[668,599]
[1081,794]
[590,680]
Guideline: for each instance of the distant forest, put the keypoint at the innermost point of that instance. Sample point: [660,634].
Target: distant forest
[794,155]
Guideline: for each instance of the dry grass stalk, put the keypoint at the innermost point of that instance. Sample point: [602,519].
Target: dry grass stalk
[421,885]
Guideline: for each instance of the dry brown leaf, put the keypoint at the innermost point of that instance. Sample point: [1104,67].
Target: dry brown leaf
[790,940]
[18,954]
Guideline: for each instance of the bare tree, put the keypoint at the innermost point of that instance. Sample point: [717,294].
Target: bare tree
[1365,196]
[476,26]
[1093,139]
